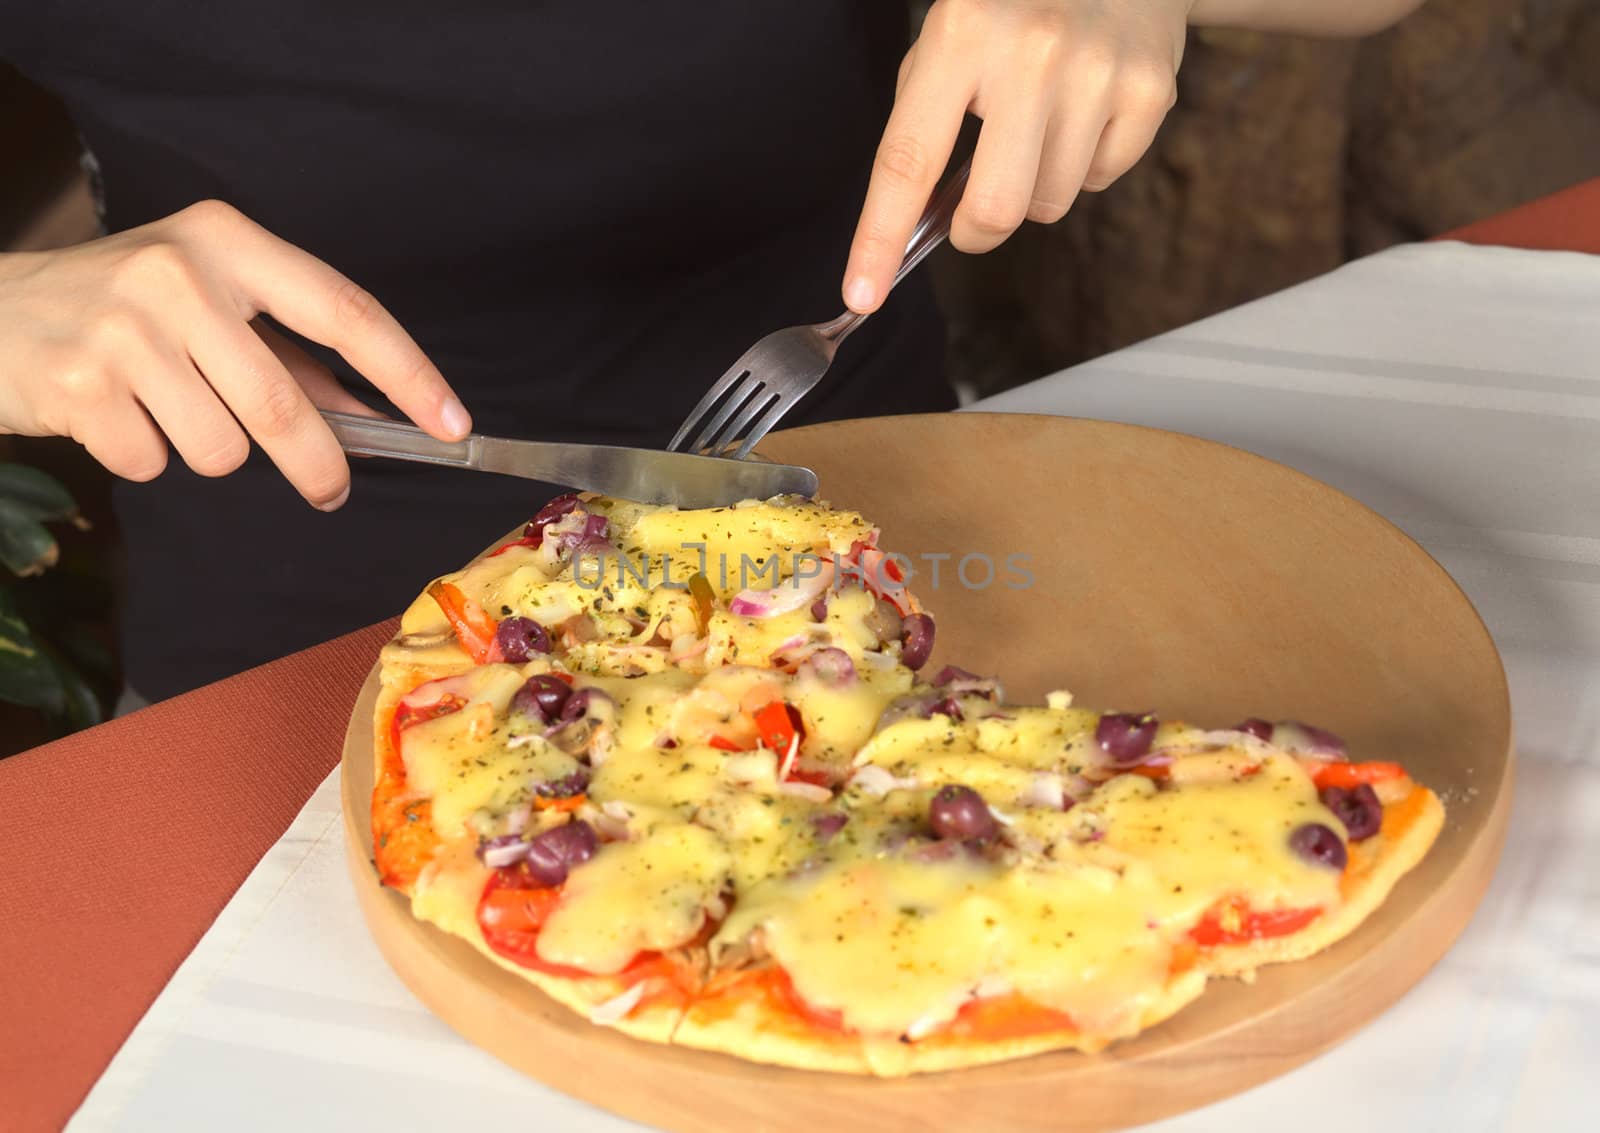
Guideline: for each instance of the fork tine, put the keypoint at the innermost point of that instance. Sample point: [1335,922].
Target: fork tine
[763,426]
[735,374]
[753,408]
[743,393]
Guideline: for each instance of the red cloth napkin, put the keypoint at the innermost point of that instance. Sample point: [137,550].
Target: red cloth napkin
[120,845]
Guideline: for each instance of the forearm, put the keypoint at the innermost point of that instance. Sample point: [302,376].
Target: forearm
[1303,17]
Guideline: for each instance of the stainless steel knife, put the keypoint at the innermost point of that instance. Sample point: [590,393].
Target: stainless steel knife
[647,475]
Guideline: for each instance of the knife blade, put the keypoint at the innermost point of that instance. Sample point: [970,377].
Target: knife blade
[647,475]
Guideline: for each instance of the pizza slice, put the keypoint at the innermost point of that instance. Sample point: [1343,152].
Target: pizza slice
[1008,880]
[604,588]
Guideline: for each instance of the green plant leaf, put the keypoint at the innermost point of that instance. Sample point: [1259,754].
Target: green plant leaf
[25,546]
[28,676]
[39,495]
[80,702]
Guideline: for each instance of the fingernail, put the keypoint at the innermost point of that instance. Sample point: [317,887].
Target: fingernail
[859,294]
[336,503]
[453,416]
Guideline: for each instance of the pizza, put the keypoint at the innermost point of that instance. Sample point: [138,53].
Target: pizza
[688,773]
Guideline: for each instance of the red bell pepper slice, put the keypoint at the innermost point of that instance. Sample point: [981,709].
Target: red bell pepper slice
[1007,1017]
[525,541]
[1251,924]
[779,726]
[1335,773]
[474,627]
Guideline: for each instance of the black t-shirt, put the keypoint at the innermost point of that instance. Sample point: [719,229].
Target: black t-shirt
[583,212]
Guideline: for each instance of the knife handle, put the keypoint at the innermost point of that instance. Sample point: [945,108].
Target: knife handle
[378,436]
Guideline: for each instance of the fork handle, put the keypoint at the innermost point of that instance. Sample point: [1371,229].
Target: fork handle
[932,229]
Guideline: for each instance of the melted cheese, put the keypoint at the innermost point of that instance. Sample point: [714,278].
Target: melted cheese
[631,897]
[898,943]
[448,891]
[734,545]
[464,761]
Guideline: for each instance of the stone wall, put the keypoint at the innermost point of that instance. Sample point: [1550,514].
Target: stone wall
[1283,158]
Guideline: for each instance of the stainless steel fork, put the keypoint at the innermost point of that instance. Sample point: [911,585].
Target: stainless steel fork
[775,373]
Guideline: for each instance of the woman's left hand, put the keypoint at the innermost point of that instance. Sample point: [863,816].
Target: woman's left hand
[1070,92]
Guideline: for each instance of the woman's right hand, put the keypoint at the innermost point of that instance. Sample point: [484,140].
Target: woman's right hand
[144,337]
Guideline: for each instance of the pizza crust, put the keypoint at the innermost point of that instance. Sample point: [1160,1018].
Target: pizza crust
[1409,828]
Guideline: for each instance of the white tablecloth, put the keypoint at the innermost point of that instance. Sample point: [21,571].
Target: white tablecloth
[1456,390]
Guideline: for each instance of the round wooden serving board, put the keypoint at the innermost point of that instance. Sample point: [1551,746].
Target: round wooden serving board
[1167,573]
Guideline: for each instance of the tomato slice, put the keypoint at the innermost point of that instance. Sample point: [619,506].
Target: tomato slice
[1234,923]
[826,1018]
[1335,773]
[474,627]
[406,715]
[510,915]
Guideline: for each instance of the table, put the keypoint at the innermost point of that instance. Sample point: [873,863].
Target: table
[100,908]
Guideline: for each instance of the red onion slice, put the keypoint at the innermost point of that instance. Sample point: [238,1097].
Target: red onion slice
[1046,790]
[827,825]
[506,850]
[877,781]
[792,593]
[1308,739]
[566,787]
[800,789]
[831,666]
[617,1008]
[958,682]
[911,706]
[1257,727]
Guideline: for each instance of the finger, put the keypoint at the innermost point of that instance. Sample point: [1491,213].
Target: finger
[916,143]
[1141,96]
[1123,142]
[1005,166]
[905,70]
[122,437]
[271,406]
[1069,146]
[317,380]
[187,410]
[308,296]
